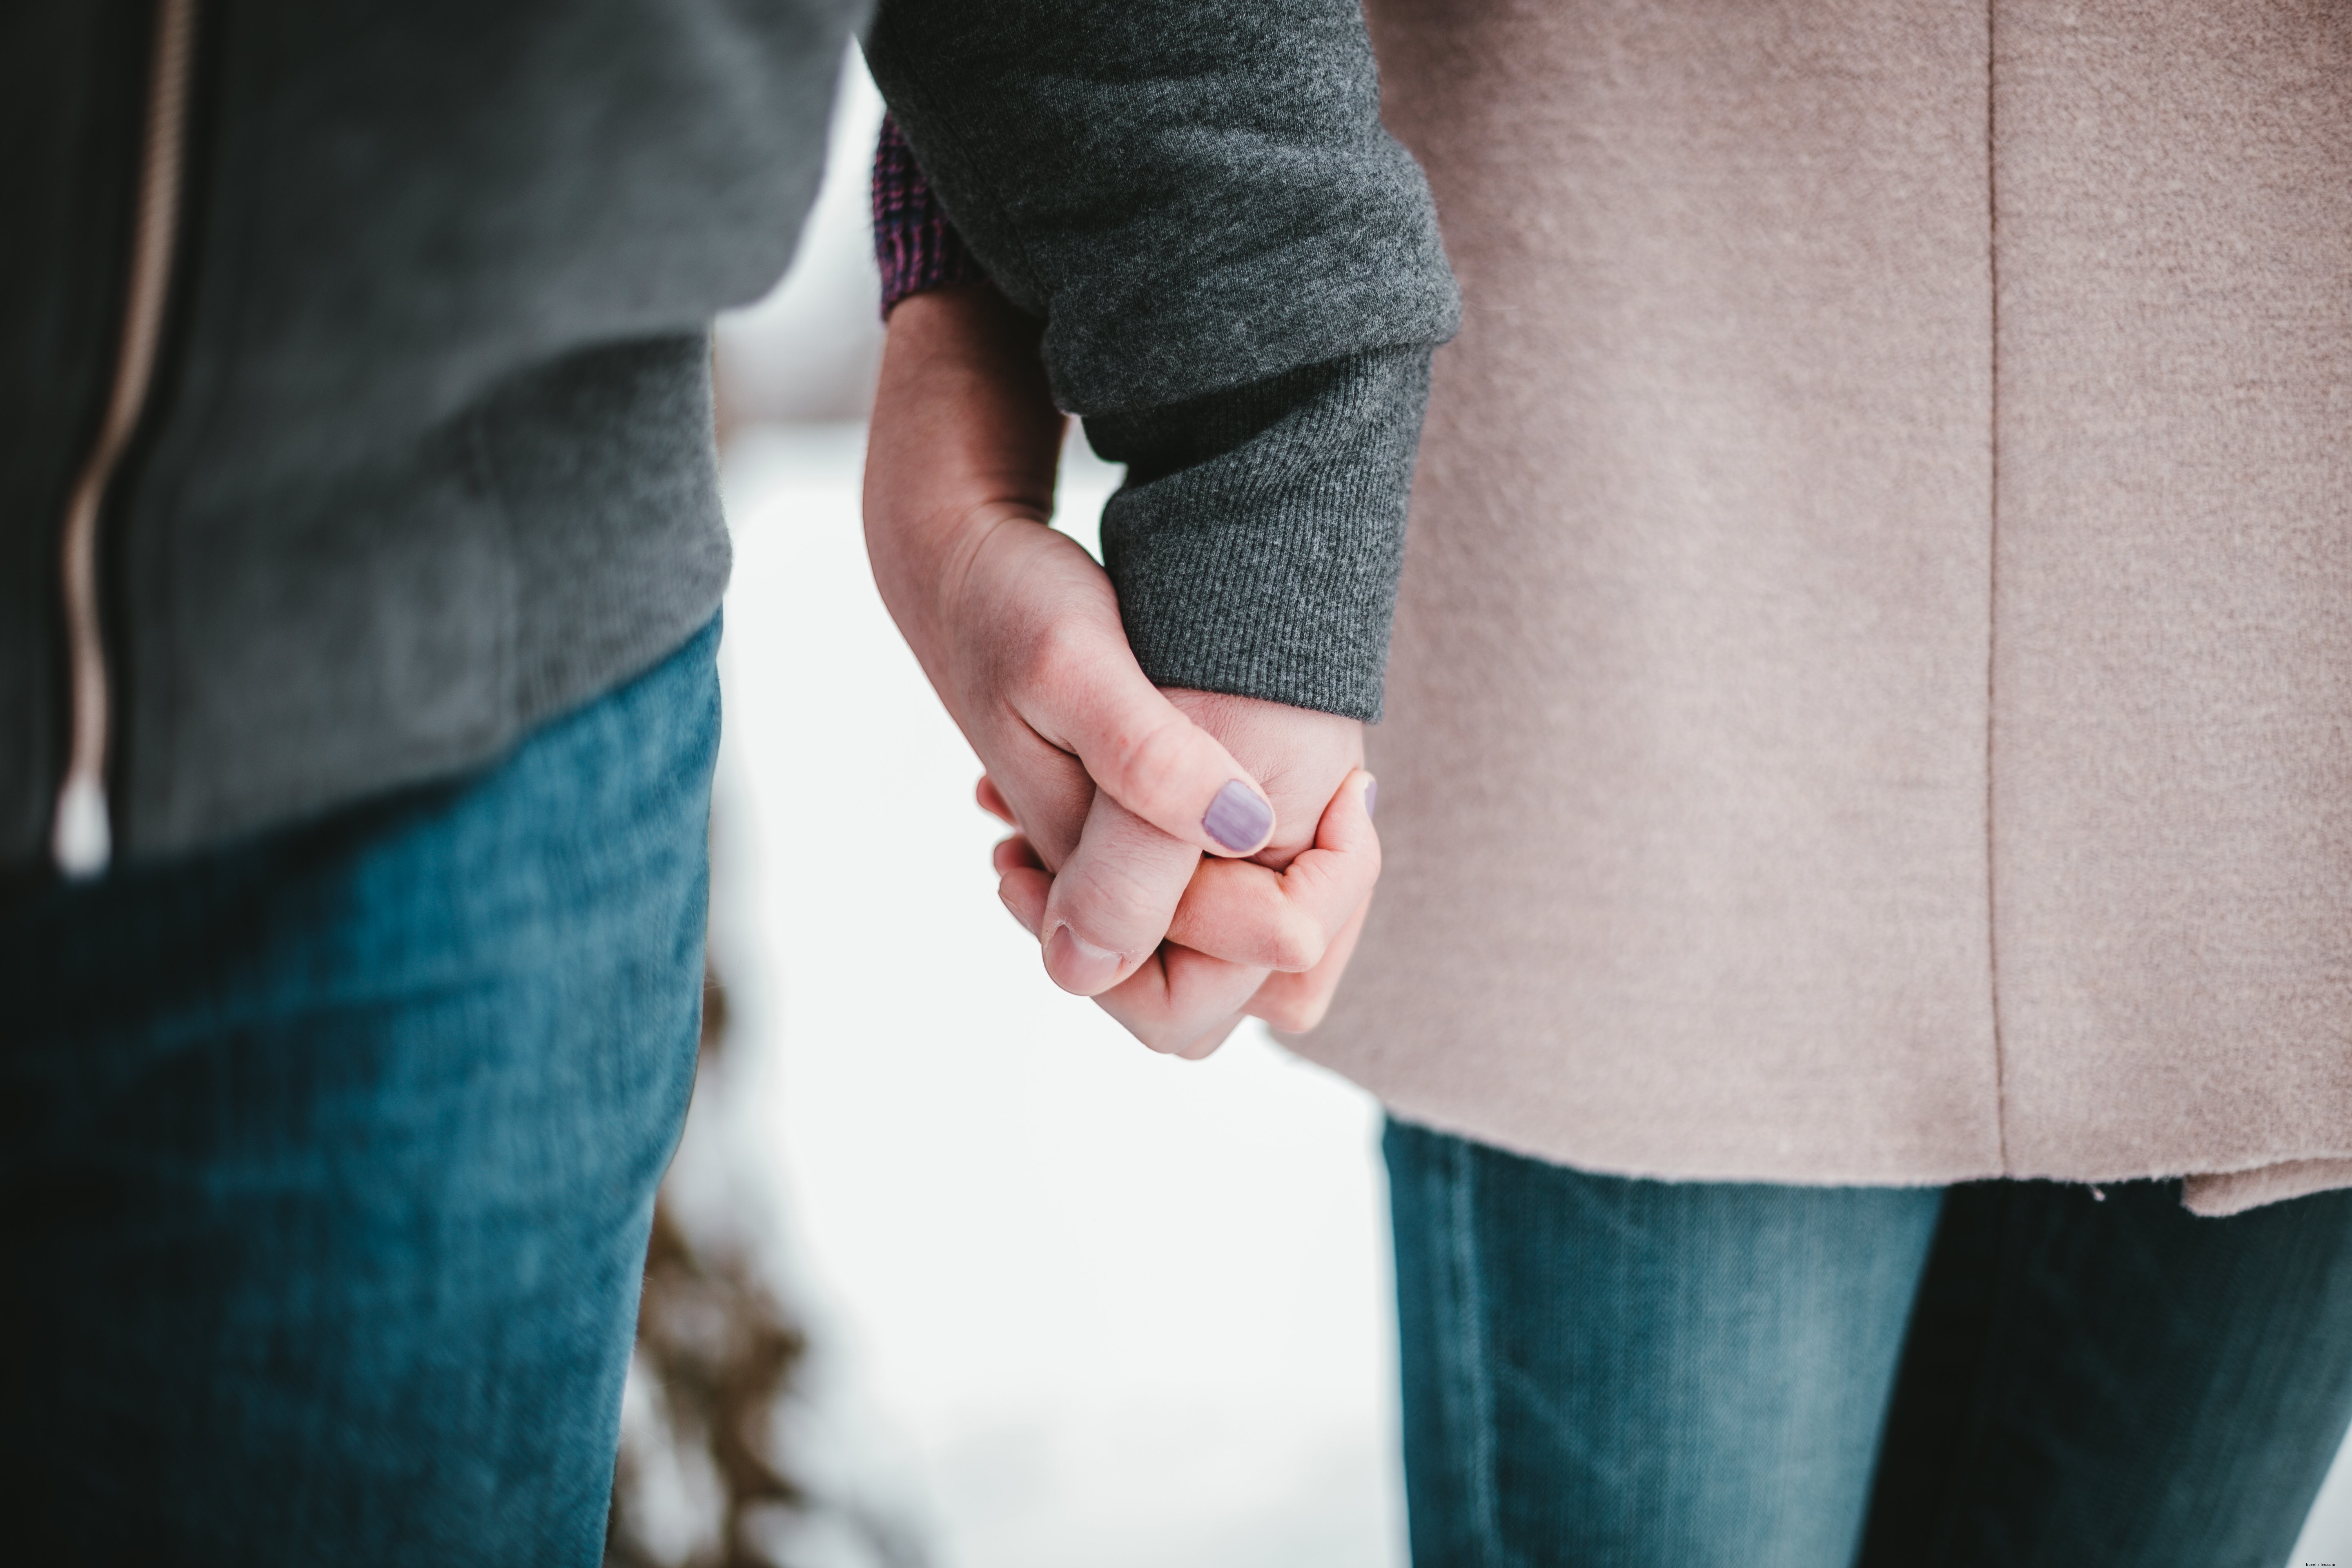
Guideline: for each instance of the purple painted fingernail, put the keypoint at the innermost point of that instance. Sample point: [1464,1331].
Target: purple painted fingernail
[1371,797]
[1239,818]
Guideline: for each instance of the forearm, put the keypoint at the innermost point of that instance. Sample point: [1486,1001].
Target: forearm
[1193,195]
[1255,546]
[1240,283]
[964,436]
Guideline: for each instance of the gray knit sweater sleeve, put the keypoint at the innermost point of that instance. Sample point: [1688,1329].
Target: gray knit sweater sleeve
[1241,280]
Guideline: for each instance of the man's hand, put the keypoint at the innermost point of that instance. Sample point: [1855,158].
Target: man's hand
[1018,629]
[1115,787]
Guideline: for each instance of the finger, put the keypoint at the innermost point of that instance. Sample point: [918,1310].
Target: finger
[1178,1002]
[1206,1046]
[1140,748]
[1043,789]
[1024,890]
[1248,914]
[1294,1003]
[1015,852]
[1112,899]
[1183,1003]
[992,801]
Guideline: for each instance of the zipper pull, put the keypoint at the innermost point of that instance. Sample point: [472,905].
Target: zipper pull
[81,840]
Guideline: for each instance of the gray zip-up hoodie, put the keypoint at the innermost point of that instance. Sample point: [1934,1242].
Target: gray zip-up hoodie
[423,454]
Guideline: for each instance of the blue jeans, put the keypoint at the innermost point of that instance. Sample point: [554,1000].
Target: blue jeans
[327,1162]
[1621,1374]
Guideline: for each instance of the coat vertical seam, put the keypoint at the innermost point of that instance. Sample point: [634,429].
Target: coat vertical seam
[1992,570]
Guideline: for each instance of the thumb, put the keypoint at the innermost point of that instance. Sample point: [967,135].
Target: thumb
[1143,752]
[1112,900]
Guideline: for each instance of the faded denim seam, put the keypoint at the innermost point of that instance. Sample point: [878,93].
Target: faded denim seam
[1476,1376]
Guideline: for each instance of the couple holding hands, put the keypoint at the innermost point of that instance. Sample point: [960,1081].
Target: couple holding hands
[1184,857]
[1859,984]
[1859,980]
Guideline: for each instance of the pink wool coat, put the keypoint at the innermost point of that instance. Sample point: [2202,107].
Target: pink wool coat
[1872,699]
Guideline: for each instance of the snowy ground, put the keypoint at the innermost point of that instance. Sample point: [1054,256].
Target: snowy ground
[1073,1303]
[1086,1305]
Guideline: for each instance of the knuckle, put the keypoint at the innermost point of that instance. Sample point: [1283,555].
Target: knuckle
[1296,943]
[1281,1016]
[1347,872]
[1206,1044]
[1160,1035]
[1143,751]
[1295,1014]
[1051,656]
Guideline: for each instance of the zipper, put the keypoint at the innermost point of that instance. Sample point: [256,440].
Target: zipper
[81,839]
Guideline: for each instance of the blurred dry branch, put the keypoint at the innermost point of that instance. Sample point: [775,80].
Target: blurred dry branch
[700,1483]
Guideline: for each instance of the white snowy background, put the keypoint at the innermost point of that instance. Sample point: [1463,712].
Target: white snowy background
[1071,1304]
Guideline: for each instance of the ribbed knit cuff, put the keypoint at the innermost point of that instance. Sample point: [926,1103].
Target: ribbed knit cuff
[914,244]
[1257,544]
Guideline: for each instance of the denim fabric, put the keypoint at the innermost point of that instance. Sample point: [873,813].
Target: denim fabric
[1625,1373]
[1621,1374]
[2094,1384]
[327,1162]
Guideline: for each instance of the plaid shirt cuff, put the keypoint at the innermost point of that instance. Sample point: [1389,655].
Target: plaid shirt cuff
[914,244]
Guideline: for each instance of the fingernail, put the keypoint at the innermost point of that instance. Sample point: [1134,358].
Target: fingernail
[1078,966]
[1239,818]
[1372,796]
[1014,909]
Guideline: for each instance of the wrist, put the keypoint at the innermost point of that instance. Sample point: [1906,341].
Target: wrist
[964,440]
